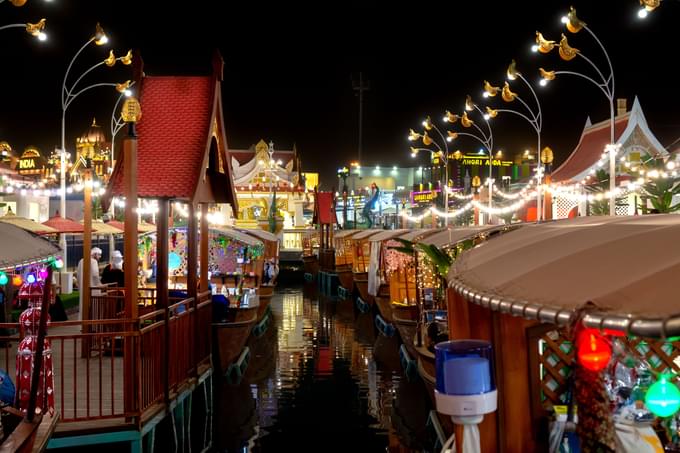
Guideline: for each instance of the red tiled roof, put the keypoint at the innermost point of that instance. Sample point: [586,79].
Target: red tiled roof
[589,148]
[173,135]
[63,225]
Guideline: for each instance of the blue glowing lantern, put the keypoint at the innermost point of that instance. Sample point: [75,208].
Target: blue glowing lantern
[465,378]
[174,261]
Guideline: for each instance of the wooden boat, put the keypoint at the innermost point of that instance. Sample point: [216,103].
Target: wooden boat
[271,254]
[229,339]
[343,257]
[361,252]
[310,247]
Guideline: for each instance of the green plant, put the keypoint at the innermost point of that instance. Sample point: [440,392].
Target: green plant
[601,186]
[658,191]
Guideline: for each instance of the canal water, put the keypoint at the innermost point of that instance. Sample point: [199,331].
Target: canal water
[321,379]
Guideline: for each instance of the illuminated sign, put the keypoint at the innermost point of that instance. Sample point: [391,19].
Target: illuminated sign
[478,159]
[27,164]
[424,196]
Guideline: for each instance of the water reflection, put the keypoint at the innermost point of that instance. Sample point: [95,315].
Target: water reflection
[320,379]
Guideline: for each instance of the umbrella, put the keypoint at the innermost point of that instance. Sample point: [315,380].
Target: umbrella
[142,227]
[20,247]
[27,224]
[64,225]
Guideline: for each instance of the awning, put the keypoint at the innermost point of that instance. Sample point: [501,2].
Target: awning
[27,224]
[237,236]
[386,234]
[626,266]
[63,225]
[457,234]
[104,228]
[344,233]
[19,247]
[260,234]
[419,234]
[365,234]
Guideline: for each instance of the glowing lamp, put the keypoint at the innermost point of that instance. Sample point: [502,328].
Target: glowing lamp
[663,397]
[30,278]
[59,263]
[17,280]
[43,274]
[3,278]
[594,351]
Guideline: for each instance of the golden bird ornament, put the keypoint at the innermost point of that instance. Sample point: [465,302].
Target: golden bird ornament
[544,45]
[127,59]
[512,72]
[121,87]
[465,121]
[413,135]
[35,29]
[490,90]
[547,75]
[18,3]
[469,105]
[111,59]
[452,135]
[427,124]
[507,94]
[426,139]
[491,112]
[457,155]
[650,5]
[566,51]
[450,117]
[574,24]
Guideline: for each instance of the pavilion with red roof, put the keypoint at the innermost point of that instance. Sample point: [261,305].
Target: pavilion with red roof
[631,131]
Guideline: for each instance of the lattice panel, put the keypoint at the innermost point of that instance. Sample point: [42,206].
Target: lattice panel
[562,206]
[661,356]
[623,204]
[556,358]
[557,355]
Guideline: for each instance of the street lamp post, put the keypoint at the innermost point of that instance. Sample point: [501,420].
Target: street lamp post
[534,118]
[605,82]
[484,137]
[441,152]
[69,94]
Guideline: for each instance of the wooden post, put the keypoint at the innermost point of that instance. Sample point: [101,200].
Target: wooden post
[192,250]
[162,301]
[204,248]
[131,383]
[87,246]
[516,429]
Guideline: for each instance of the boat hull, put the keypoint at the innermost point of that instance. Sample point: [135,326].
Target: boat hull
[311,264]
[361,282]
[229,338]
[345,277]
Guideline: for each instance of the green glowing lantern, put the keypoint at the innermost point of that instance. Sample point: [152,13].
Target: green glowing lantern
[663,397]
[3,278]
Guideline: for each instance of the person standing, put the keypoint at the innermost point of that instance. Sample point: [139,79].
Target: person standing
[113,272]
[95,282]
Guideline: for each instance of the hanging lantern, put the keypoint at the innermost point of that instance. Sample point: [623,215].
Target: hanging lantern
[43,274]
[59,263]
[30,279]
[594,351]
[3,278]
[17,280]
[663,397]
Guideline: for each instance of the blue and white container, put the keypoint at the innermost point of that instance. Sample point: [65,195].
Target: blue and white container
[466,384]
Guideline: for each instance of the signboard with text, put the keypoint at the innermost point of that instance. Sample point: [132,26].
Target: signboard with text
[426,196]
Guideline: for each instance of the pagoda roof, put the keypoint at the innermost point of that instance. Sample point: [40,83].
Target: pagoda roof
[181,148]
[595,137]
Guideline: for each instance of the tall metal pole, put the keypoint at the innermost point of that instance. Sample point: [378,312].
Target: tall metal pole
[360,87]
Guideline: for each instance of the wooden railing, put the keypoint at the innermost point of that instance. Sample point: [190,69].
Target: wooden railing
[165,356]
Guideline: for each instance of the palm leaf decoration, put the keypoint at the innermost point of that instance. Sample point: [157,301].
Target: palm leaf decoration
[406,247]
[440,259]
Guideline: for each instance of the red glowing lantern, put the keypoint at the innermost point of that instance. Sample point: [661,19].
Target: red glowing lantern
[593,350]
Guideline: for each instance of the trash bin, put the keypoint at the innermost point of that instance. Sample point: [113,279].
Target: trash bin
[66,282]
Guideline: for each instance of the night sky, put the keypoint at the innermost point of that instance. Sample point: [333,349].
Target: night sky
[289,67]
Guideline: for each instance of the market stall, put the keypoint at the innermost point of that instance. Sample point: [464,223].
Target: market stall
[584,307]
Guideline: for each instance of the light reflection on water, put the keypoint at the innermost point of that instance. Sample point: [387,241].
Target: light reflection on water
[320,379]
